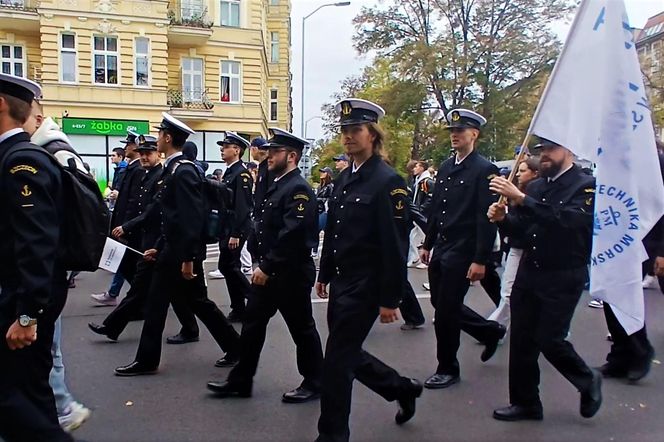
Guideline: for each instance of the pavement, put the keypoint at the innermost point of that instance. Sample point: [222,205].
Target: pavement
[174,405]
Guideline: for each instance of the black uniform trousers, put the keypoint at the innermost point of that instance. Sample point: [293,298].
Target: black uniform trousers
[542,304]
[236,282]
[27,404]
[132,305]
[449,286]
[290,294]
[410,307]
[352,310]
[626,350]
[167,284]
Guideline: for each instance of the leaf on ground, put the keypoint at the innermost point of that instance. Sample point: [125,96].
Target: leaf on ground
[129,404]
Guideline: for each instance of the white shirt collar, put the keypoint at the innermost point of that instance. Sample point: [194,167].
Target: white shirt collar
[560,173]
[233,163]
[458,161]
[356,167]
[171,158]
[10,133]
[134,160]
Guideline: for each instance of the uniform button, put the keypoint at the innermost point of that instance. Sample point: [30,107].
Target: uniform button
[444,201]
[263,211]
[338,221]
[543,199]
[341,206]
[335,251]
[443,212]
[344,192]
[448,178]
[534,235]
[461,181]
[357,200]
[336,236]
[446,189]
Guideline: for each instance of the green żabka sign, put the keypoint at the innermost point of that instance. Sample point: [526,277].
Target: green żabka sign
[90,126]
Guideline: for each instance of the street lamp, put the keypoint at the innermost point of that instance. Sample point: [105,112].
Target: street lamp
[306,125]
[302,129]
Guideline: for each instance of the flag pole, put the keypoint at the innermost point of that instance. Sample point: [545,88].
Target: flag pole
[529,132]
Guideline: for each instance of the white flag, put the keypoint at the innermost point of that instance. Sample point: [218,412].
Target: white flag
[595,104]
[112,255]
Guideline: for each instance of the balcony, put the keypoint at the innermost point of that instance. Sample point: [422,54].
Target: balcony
[189,104]
[190,24]
[19,15]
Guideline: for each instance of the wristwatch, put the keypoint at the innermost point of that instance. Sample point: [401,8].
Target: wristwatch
[26,321]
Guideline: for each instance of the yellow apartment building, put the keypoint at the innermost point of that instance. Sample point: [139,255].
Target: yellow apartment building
[109,65]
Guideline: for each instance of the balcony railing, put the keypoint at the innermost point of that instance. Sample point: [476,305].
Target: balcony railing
[190,13]
[20,5]
[189,99]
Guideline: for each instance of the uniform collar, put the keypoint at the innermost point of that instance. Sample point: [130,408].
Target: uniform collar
[561,173]
[172,157]
[10,133]
[230,166]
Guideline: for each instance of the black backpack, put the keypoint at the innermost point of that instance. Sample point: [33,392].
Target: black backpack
[86,217]
[218,198]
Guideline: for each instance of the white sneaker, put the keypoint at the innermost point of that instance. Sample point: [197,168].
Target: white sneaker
[216,274]
[75,415]
[596,303]
[650,282]
[426,286]
[104,299]
[421,266]
[248,271]
[413,264]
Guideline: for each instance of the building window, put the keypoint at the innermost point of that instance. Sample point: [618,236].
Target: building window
[274,47]
[230,82]
[192,79]
[105,57]
[68,58]
[142,61]
[13,60]
[192,9]
[230,13]
[274,105]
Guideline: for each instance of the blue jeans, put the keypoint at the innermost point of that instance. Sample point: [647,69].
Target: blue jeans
[116,285]
[63,398]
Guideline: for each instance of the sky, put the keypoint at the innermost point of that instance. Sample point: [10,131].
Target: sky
[330,56]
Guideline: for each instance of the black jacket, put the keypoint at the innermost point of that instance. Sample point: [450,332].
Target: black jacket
[126,206]
[32,210]
[183,208]
[654,240]
[237,222]
[262,184]
[458,224]
[556,219]
[147,224]
[322,195]
[367,230]
[423,195]
[287,227]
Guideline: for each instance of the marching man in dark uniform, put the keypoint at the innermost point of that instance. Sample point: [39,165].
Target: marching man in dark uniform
[147,228]
[556,218]
[179,255]
[263,181]
[462,240]
[33,282]
[286,230]
[364,261]
[236,225]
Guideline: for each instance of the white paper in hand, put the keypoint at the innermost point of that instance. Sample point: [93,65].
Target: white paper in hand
[112,255]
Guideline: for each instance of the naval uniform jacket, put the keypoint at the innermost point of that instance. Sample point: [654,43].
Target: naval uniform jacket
[556,220]
[32,211]
[237,222]
[367,230]
[126,206]
[263,182]
[147,223]
[287,226]
[182,205]
[458,225]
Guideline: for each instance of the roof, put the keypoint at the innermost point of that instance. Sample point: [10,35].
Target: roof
[654,26]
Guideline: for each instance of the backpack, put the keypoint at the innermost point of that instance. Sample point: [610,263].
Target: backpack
[86,217]
[218,198]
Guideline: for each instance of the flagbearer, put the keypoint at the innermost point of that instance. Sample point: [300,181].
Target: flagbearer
[286,230]
[557,219]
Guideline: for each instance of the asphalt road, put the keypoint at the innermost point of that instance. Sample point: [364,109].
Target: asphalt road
[174,405]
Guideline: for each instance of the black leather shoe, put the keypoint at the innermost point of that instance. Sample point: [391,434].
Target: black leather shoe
[640,369]
[492,345]
[181,339]
[235,316]
[611,371]
[227,361]
[135,369]
[410,326]
[300,395]
[102,330]
[515,413]
[226,389]
[407,403]
[441,381]
[591,399]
